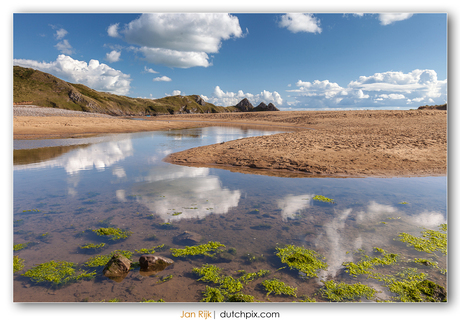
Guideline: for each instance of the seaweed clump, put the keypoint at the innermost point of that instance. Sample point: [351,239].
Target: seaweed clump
[278,288]
[304,260]
[209,249]
[366,264]
[112,233]
[57,273]
[431,241]
[413,287]
[92,246]
[228,287]
[18,264]
[342,291]
[323,199]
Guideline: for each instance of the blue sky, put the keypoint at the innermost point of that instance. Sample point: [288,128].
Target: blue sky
[300,60]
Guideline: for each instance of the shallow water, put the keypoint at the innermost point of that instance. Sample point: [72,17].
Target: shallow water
[121,181]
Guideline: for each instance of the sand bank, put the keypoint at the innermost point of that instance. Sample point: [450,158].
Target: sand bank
[316,143]
[347,143]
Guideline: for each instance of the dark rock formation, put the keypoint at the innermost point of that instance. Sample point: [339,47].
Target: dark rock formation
[271,107]
[117,268]
[152,264]
[434,107]
[245,105]
[200,100]
[188,238]
[261,107]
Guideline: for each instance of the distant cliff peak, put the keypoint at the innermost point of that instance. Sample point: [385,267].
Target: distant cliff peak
[245,105]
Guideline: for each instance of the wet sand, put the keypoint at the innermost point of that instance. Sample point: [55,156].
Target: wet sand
[346,143]
[316,143]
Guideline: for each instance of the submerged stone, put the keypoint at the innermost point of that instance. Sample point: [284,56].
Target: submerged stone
[187,238]
[152,264]
[117,268]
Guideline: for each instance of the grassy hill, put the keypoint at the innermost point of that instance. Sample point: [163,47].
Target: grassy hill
[43,89]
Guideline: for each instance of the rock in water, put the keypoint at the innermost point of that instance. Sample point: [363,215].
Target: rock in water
[187,238]
[152,264]
[117,268]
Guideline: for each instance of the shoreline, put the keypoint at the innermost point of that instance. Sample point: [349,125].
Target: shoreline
[371,143]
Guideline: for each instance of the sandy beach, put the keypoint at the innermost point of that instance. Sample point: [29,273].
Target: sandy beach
[315,143]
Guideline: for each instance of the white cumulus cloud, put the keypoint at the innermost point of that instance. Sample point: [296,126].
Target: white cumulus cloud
[179,39]
[173,58]
[229,98]
[389,18]
[300,22]
[163,78]
[93,74]
[391,89]
[64,47]
[112,31]
[113,56]
[60,33]
[149,70]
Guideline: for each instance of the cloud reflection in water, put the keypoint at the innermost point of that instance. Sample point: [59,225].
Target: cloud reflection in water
[177,192]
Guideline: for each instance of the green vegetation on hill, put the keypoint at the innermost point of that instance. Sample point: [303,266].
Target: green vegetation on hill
[43,89]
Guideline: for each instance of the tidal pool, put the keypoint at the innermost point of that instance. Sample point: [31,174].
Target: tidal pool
[64,190]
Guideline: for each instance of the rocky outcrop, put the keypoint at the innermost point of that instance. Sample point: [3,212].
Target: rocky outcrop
[434,107]
[152,264]
[117,268]
[246,106]
[271,107]
[77,97]
[200,100]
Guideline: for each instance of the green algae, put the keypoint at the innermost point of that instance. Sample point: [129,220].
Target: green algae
[32,211]
[323,199]
[227,285]
[404,284]
[250,276]
[152,250]
[240,298]
[209,249]
[101,260]
[431,241]
[213,295]
[230,284]
[18,264]
[20,246]
[304,260]
[57,273]
[367,264]
[152,301]
[208,273]
[112,233]
[92,246]
[278,288]
[165,278]
[341,291]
